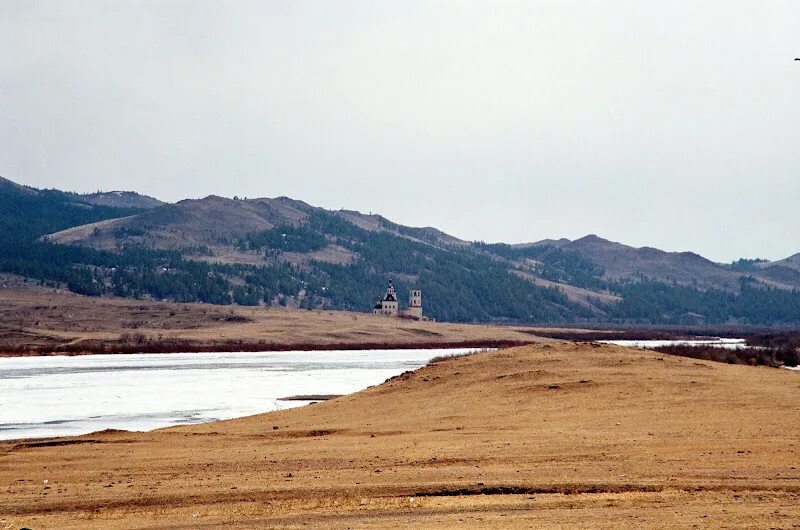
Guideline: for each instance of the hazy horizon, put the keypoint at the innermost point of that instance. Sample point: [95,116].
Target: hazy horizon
[674,125]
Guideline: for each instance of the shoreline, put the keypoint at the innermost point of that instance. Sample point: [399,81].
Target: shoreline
[298,394]
[77,422]
[169,347]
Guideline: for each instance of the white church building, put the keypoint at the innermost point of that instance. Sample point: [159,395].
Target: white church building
[390,306]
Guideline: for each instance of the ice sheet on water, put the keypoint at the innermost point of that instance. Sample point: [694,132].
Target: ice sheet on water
[58,396]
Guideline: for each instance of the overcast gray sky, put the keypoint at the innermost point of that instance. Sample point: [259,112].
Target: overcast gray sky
[673,124]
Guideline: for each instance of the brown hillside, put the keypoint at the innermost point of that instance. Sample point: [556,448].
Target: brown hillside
[213,221]
[624,262]
[572,436]
[218,222]
[376,223]
[792,262]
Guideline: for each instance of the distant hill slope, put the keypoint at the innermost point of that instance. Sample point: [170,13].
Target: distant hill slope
[7,186]
[122,199]
[284,251]
[215,222]
[219,222]
[625,262]
[378,223]
[792,262]
[114,199]
[27,213]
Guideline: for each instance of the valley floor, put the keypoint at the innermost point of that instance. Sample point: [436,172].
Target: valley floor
[545,435]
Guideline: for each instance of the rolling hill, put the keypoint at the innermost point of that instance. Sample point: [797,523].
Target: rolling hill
[284,251]
[622,262]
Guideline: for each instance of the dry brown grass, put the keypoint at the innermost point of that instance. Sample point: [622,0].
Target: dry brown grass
[33,322]
[550,435]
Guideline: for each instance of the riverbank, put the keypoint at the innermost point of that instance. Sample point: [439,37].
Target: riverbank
[561,434]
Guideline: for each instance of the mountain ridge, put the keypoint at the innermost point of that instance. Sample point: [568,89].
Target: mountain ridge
[285,210]
[628,260]
[283,250]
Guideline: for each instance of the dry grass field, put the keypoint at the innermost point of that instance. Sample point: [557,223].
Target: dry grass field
[555,435]
[42,321]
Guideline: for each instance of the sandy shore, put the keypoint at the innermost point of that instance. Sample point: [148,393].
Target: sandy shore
[556,435]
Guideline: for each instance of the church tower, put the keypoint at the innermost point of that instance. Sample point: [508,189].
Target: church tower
[415,303]
[388,305]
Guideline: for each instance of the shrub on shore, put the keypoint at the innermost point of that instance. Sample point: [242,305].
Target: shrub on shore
[783,356]
[447,357]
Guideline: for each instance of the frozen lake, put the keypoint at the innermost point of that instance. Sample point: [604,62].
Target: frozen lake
[61,396]
[716,342]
